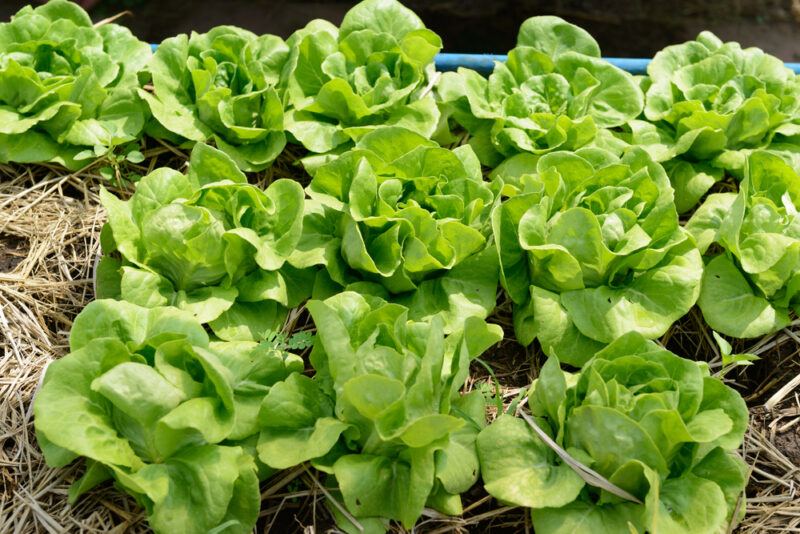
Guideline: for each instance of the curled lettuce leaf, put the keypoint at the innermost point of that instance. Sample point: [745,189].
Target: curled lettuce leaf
[709,104]
[373,70]
[653,424]
[410,219]
[209,243]
[590,249]
[221,86]
[152,404]
[750,288]
[553,93]
[67,88]
[383,414]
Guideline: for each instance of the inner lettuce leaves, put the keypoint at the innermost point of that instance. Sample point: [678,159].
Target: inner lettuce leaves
[169,416]
[209,243]
[751,282]
[374,70]
[553,93]
[708,105]
[590,248]
[67,88]
[383,415]
[220,86]
[652,423]
[400,217]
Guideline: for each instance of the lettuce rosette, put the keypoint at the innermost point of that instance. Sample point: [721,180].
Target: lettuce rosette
[67,88]
[751,283]
[652,424]
[209,243]
[590,248]
[220,86]
[709,104]
[400,217]
[553,93]
[169,416]
[383,414]
[373,70]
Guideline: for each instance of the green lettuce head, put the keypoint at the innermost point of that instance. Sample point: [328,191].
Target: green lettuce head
[553,93]
[590,249]
[221,86]
[383,414]
[653,424]
[406,219]
[209,243]
[752,279]
[709,104]
[373,70]
[67,88]
[170,417]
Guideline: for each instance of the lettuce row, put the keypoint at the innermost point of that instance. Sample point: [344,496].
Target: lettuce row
[400,217]
[553,93]
[209,243]
[171,417]
[653,424]
[67,88]
[374,70]
[754,268]
[590,248]
[220,86]
[708,104]
[383,415]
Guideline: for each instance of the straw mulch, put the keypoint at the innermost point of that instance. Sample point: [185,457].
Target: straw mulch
[49,228]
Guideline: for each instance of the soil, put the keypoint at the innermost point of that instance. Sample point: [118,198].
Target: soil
[13,250]
[788,441]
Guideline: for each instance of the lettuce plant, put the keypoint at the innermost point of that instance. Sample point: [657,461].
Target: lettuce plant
[651,423]
[67,88]
[373,70]
[221,86]
[590,248]
[209,243]
[383,414]
[404,218]
[169,416]
[553,93]
[709,103]
[752,279]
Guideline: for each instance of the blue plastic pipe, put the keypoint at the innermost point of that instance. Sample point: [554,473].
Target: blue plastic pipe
[484,63]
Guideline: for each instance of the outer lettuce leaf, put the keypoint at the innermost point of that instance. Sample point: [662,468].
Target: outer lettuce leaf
[209,243]
[383,413]
[410,219]
[221,86]
[553,93]
[652,423]
[590,248]
[758,230]
[709,104]
[67,88]
[340,83]
[149,402]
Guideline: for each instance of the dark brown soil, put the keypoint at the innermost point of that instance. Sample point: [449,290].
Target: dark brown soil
[788,441]
[13,250]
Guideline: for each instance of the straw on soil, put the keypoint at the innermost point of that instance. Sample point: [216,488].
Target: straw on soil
[49,228]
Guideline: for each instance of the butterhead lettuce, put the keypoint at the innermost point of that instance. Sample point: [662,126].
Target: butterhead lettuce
[752,279]
[67,88]
[152,404]
[209,243]
[590,248]
[653,424]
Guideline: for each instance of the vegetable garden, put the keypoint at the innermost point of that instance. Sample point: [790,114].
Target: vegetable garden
[255,283]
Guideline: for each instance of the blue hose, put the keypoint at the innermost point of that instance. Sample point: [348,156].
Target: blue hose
[485,62]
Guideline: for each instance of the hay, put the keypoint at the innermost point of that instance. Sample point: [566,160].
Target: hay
[49,228]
